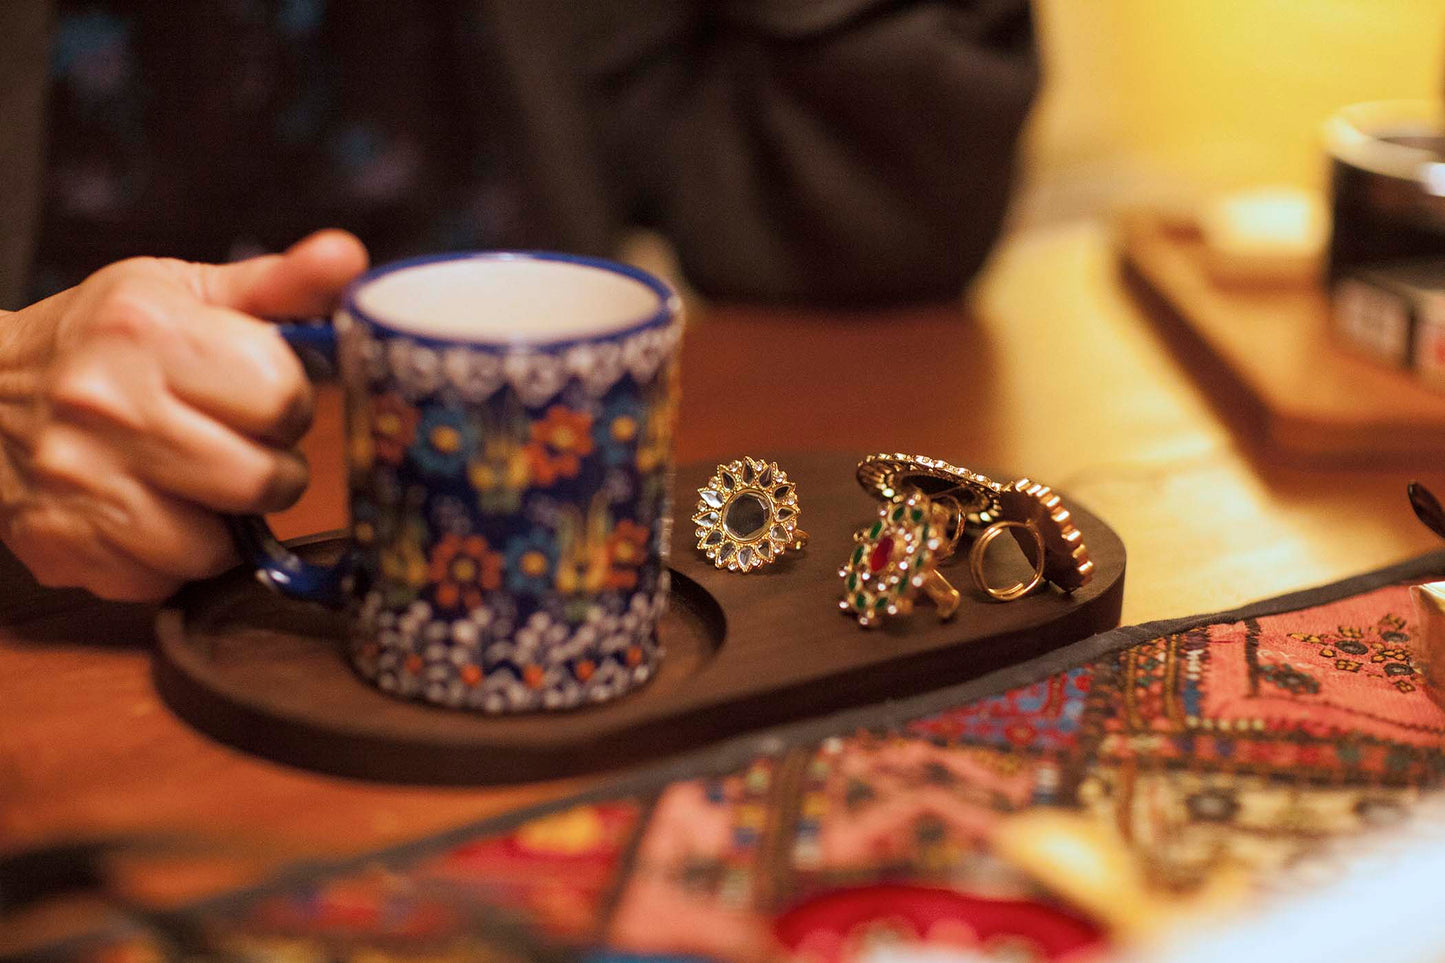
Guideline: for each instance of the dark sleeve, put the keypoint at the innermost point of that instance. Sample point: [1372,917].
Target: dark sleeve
[827,151]
[24,59]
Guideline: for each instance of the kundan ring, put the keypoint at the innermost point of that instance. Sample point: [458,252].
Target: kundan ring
[896,558]
[974,497]
[747,515]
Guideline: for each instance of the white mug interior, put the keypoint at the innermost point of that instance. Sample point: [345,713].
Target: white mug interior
[507,298]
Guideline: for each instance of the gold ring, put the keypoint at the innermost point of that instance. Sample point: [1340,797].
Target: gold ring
[955,527]
[976,558]
[889,476]
[1066,561]
[747,515]
[894,559]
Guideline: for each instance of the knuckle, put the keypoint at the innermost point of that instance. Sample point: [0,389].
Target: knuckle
[91,387]
[281,371]
[117,271]
[79,388]
[130,308]
[275,384]
[56,457]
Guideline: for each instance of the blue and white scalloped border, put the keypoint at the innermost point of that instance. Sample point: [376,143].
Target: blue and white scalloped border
[476,373]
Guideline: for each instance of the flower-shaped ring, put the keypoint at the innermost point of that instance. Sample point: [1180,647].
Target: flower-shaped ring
[747,515]
[896,558]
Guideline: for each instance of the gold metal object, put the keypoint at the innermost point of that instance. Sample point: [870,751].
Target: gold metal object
[1066,560]
[896,558]
[747,515]
[956,526]
[980,546]
[974,497]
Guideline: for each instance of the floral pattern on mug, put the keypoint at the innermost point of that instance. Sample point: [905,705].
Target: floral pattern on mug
[499,477]
[393,427]
[559,443]
[510,506]
[444,441]
[531,561]
[404,567]
[482,662]
[462,567]
[616,431]
[626,550]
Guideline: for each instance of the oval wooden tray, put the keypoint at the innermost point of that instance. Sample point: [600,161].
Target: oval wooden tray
[268,675]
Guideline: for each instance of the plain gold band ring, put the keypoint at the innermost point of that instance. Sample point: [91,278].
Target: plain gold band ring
[976,555]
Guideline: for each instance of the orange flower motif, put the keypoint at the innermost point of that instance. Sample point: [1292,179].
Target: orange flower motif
[559,443]
[544,469]
[626,550]
[393,427]
[461,567]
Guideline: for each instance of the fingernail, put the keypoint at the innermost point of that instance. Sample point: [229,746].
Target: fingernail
[288,481]
[294,422]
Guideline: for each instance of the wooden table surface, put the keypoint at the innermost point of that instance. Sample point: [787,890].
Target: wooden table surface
[1053,372]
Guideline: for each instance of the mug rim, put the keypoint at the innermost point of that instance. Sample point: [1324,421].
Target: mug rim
[668,306]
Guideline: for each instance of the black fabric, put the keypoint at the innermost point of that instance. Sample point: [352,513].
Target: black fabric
[823,151]
[215,129]
[831,152]
[24,29]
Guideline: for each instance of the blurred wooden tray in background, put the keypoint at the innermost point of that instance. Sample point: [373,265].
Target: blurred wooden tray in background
[1271,365]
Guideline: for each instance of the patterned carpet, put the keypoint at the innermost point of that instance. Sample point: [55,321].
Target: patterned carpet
[1228,748]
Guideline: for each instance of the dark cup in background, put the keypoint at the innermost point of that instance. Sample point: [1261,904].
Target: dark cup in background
[1388,184]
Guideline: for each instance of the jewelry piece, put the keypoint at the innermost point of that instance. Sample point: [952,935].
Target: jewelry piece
[748,515]
[1065,560]
[886,477]
[896,558]
[976,558]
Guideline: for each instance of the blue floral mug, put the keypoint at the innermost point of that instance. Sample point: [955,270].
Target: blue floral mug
[509,425]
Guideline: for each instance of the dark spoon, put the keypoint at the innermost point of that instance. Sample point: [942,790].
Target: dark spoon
[1427,508]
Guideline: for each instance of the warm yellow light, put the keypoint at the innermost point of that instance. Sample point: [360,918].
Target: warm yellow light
[1176,99]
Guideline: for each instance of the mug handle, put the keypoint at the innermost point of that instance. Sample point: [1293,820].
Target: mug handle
[277,567]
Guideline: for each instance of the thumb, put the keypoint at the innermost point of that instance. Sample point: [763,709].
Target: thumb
[302,282]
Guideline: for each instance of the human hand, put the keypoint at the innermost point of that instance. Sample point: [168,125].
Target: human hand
[137,405]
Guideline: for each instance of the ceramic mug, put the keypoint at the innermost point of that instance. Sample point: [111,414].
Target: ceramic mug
[509,425]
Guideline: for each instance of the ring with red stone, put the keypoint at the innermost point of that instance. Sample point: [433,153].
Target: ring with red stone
[747,515]
[894,559]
